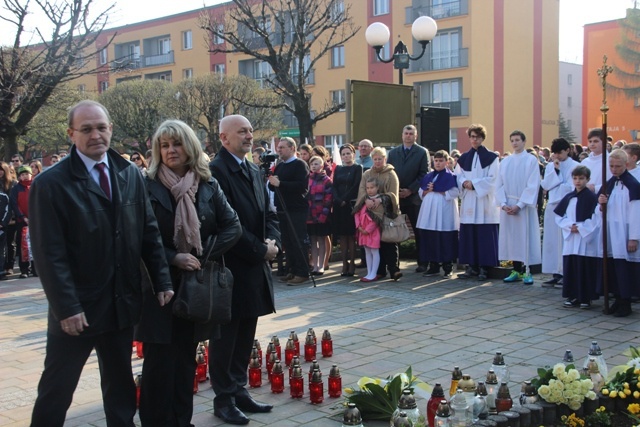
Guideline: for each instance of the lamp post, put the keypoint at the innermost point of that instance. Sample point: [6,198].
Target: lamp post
[424,29]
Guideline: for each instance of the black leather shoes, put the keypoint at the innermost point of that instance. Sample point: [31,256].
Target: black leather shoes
[247,404]
[231,415]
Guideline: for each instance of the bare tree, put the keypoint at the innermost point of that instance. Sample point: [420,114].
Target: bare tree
[203,100]
[29,73]
[291,36]
[137,107]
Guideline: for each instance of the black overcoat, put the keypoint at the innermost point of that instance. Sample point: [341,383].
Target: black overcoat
[247,194]
[87,249]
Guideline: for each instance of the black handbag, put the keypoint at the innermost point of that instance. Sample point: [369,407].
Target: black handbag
[205,295]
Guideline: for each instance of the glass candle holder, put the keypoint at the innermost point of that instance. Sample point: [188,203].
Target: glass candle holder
[289,352]
[316,388]
[437,394]
[296,383]
[276,344]
[277,378]
[335,382]
[139,349]
[326,344]
[309,349]
[296,342]
[255,373]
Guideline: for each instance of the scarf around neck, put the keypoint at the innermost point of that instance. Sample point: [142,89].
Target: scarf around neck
[444,180]
[186,233]
[586,204]
[486,158]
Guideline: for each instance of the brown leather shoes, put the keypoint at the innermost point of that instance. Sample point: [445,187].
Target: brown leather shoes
[297,280]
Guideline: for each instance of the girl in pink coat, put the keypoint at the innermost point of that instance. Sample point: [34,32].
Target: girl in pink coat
[368,231]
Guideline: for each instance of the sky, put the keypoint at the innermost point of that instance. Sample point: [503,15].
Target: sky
[573,15]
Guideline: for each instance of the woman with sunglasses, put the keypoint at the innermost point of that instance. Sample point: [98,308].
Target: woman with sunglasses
[139,160]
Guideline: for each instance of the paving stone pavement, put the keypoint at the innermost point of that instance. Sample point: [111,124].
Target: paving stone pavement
[378,329]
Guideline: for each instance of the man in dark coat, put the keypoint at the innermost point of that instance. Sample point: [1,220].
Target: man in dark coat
[91,224]
[411,163]
[248,260]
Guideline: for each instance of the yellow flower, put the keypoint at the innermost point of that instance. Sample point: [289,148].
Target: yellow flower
[625,385]
[605,391]
[627,392]
[634,408]
[622,395]
[613,393]
[636,394]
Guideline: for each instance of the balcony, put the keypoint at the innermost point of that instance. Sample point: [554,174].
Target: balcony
[161,59]
[456,108]
[438,11]
[445,60]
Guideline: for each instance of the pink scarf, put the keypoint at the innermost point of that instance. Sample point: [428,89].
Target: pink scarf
[186,235]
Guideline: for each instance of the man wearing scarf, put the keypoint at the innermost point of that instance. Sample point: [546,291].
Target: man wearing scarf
[477,172]
[621,196]
[438,220]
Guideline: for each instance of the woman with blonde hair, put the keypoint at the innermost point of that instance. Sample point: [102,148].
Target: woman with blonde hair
[36,167]
[192,212]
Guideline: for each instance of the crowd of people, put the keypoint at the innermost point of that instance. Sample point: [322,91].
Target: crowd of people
[133,226]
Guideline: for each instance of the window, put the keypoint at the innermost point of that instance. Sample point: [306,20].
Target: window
[104,86]
[103,56]
[569,101]
[569,79]
[219,68]
[329,140]
[261,72]
[337,57]
[296,72]
[380,7]
[445,50]
[337,10]
[637,102]
[219,30]
[337,97]
[445,91]
[187,40]
[187,73]
[385,52]
[164,46]
[81,88]
[453,139]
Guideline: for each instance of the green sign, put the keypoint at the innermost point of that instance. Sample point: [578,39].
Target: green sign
[292,132]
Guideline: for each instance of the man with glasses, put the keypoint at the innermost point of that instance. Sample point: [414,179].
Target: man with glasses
[365,147]
[16,161]
[91,224]
[477,172]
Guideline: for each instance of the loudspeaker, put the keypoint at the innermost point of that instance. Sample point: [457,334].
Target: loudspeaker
[434,128]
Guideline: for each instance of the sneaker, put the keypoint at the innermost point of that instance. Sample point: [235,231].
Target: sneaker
[396,276]
[24,276]
[570,303]
[447,275]
[527,279]
[585,305]
[513,277]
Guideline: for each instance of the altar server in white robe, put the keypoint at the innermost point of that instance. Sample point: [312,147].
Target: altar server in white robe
[633,153]
[477,171]
[622,200]
[517,195]
[594,161]
[580,228]
[557,182]
[439,220]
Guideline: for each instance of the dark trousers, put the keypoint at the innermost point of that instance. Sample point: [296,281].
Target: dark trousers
[388,258]
[11,247]
[166,395]
[3,252]
[412,212]
[229,358]
[22,263]
[66,356]
[297,251]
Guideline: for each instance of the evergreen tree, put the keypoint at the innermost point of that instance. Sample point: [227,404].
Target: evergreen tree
[564,131]
[627,76]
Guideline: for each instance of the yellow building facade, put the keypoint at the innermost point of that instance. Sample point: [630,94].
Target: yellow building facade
[493,62]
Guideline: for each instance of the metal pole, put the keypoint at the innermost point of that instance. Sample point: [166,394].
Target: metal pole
[400,78]
[603,72]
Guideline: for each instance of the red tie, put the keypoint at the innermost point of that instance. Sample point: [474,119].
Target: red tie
[104,180]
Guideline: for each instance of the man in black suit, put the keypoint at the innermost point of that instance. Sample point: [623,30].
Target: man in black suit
[411,163]
[244,187]
[91,224]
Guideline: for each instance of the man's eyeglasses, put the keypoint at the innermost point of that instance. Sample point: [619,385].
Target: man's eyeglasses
[15,160]
[89,129]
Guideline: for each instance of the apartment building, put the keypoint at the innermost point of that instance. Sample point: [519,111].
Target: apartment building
[493,62]
[570,98]
[623,118]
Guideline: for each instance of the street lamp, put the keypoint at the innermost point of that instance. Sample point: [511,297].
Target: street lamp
[424,29]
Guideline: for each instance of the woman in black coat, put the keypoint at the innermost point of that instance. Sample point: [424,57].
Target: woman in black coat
[189,207]
[346,181]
